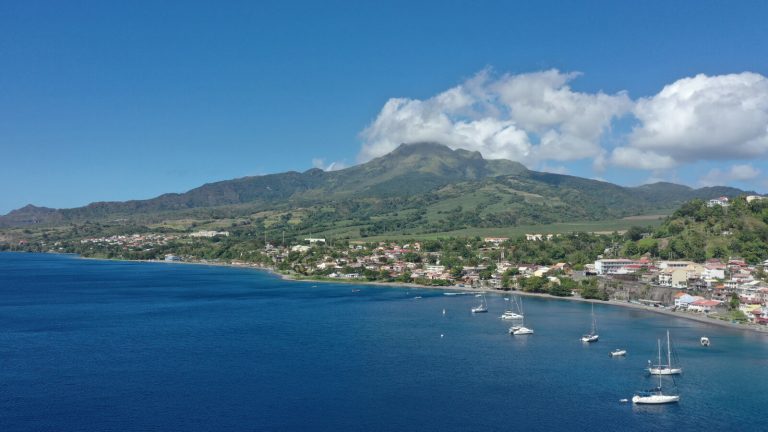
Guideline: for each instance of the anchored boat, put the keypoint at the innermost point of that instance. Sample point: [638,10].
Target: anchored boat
[655,396]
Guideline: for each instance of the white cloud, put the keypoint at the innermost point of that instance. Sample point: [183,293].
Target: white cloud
[636,158]
[529,118]
[722,117]
[333,166]
[738,173]
[536,118]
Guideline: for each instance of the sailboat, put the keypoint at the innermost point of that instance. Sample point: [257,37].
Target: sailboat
[521,329]
[664,369]
[482,307]
[510,314]
[592,335]
[656,395]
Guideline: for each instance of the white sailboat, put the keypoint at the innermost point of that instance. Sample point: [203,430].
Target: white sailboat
[521,329]
[656,395]
[665,369]
[510,314]
[482,307]
[592,336]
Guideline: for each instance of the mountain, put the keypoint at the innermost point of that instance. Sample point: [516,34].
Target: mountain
[435,186]
[408,169]
[669,192]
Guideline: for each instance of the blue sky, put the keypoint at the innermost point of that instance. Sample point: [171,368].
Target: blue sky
[127,100]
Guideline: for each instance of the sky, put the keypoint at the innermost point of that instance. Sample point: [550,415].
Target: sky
[111,101]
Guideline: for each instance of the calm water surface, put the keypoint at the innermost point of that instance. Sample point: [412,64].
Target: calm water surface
[116,346]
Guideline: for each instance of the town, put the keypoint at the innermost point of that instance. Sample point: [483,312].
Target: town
[727,289]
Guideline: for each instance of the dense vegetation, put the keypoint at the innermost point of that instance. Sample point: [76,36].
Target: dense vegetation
[698,232]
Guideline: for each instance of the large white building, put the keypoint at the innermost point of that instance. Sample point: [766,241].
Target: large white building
[612,266]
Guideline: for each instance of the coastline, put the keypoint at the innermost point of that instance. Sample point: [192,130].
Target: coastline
[290,277]
[683,315]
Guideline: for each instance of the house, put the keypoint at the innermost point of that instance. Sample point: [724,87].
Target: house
[434,268]
[703,306]
[720,201]
[674,277]
[209,234]
[674,264]
[495,240]
[683,301]
[538,237]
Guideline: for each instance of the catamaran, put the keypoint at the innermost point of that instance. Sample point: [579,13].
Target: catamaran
[510,314]
[592,335]
[665,369]
[482,307]
[521,329]
[656,395]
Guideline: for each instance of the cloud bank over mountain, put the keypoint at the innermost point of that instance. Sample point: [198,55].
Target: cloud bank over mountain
[535,118]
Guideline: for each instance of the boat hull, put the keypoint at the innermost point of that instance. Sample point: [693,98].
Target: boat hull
[522,331]
[655,399]
[665,371]
[589,338]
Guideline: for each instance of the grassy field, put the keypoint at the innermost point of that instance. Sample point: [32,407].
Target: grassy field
[605,226]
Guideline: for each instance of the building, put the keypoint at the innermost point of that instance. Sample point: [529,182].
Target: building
[703,306]
[720,201]
[612,266]
[209,234]
[495,240]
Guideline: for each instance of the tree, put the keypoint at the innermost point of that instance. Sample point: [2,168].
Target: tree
[560,290]
[733,304]
[634,233]
[534,284]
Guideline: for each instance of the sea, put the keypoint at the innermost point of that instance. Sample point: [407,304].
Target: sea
[89,345]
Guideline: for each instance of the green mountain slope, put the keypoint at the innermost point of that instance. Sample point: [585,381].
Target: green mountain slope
[698,232]
[417,188]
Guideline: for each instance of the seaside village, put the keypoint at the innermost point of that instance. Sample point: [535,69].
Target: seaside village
[717,282]
[704,288]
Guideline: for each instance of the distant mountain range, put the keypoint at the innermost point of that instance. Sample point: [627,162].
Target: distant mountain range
[439,187]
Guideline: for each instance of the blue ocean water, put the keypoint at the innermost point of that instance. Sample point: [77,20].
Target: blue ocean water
[91,345]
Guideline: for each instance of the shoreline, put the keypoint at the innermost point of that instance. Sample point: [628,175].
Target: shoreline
[290,277]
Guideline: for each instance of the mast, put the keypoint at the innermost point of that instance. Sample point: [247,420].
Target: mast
[659,341]
[669,354]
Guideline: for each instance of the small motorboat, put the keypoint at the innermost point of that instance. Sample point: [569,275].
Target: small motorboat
[704,341]
[618,353]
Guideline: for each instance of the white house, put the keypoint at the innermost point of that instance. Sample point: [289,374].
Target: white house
[720,201]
